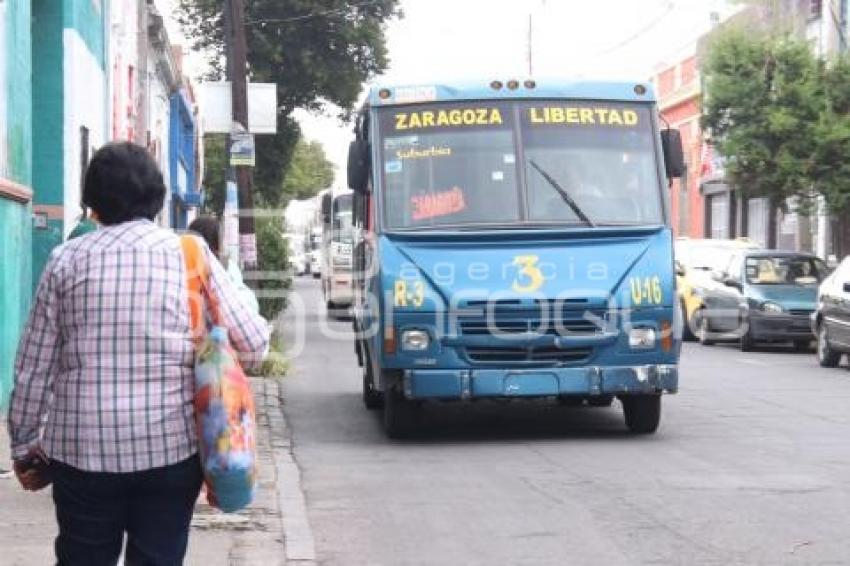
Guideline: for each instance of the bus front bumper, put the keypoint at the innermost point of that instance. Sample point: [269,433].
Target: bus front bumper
[543,382]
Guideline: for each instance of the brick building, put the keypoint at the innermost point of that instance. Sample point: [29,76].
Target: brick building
[678,90]
[703,203]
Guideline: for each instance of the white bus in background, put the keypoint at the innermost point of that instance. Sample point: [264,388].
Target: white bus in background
[337,247]
[315,253]
[300,217]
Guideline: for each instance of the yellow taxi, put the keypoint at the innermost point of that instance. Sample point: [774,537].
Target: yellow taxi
[696,260]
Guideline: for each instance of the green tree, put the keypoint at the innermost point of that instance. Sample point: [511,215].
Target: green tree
[762,104]
[309,171]
[318,52]
[215,163]
[272,250]
[832,148]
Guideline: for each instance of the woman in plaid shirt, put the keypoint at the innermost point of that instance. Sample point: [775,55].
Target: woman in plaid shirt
[104,381]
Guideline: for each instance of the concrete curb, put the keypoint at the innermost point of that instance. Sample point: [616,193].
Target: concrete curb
[255,535]
[300,545]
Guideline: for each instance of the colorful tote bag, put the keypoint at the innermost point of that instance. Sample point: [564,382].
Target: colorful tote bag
[224,405]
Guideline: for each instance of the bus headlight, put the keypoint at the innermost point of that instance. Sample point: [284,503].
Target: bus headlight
[415,340]
[642,338]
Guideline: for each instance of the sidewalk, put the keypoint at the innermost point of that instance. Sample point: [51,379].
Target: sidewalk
[251,537]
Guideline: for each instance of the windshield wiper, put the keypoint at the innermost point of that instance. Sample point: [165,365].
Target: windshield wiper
[564,194]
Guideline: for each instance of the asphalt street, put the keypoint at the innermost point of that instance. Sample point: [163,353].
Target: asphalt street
[750,466]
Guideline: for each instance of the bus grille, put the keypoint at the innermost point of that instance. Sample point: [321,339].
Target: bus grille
[509,354]
[511,321]
[522,326]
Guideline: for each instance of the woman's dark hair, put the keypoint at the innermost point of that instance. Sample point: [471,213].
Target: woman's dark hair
[123,183]
[208,228]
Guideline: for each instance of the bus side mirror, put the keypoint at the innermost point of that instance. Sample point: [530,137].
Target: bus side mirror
[327,202]
[674,155]
[358,165]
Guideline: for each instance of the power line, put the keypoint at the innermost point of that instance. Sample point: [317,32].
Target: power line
[694,36]
[639,33]
[312,15]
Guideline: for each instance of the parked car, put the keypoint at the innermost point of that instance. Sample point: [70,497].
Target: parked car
[296,255]
[298,262]
[763,296]
[696,261]
[831,319]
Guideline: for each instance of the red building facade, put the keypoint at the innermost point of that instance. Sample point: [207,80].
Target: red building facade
[679,94]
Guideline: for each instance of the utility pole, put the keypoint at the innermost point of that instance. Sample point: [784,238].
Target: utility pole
[237,63]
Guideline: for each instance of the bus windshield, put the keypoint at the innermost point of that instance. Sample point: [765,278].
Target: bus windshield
[526,162]
[342,229]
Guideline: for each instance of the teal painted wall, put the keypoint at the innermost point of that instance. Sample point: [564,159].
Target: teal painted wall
[15,286]
[88,20]
[15,218]
[47,102]
[19,92]
[48,131]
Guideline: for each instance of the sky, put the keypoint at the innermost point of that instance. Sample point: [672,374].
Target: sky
[446,40]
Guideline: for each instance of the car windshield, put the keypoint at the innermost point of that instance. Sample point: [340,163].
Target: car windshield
[508,163]
[703,257]
[784,270]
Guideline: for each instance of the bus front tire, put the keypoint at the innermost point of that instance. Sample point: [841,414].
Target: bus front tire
[642,412]
[372,398]
[400,415]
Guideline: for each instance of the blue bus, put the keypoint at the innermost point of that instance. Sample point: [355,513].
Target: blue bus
[513,241]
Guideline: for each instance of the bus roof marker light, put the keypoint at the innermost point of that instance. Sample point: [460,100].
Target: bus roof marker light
[384,93]
[640,90]
[513,84]
[529,84]
[496,85]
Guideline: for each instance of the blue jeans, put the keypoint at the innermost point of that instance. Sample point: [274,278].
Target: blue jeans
[154,507]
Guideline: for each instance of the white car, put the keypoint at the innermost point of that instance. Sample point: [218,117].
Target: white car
[316,263]
[298,263]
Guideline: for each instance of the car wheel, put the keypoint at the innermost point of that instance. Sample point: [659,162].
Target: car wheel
[401,416]
[803,346]
[747,344]
[827,356]
[703,328]
[642,412]
[687,330]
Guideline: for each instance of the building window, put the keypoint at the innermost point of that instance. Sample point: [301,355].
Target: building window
[718,206]
[815,8]
[684,206]
[758,211]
